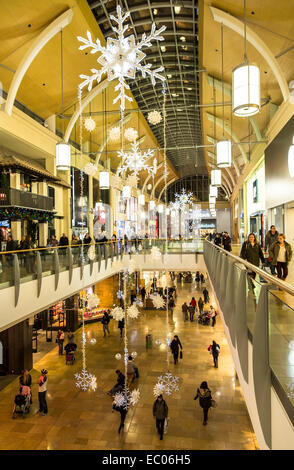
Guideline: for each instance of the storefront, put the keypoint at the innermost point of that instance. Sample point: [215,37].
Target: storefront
[255,203]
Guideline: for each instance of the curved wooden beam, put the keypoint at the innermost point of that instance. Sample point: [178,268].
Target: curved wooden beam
[155,186]
[166,186]
[236,25]
[40,41]
[212,159]
[88,98]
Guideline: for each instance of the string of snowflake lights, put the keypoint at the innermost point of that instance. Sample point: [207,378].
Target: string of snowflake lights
[154,117]
[121,57]
[90,124]
[114,134]
[157,300]
[131,134]
[134,161]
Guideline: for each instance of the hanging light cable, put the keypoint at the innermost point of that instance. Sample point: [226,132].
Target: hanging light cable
[224,146]
[246,84]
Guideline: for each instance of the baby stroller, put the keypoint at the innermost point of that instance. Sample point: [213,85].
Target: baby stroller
[22,402]
[204,318]
[70,353]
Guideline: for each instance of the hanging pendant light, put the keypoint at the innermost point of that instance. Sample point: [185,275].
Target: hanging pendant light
[104,180]
[126,191]
[246,84]
[160,208]
[151,205]
[291,159]
[216,177]
[212,199]
[224,153]
[213,191]
[62,150]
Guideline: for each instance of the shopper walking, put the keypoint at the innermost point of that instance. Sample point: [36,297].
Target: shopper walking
[205,295]
[251,251]
[105,322]
[60,341]
[123,413]
[175,346]
[143,294]
[131,375]
[200,305]
[185,311]
[171,305]
[26,380]
[121,325]
[214,349]
[42,383]
[191,310]
[270,238]
[120,383]
[205,400]
[227,242]
[213,315]
[160,413]
[281,253]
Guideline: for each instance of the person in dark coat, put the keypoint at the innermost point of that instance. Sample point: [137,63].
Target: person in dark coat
[105,322]
[227,242]
[123,413]
[87,239]
[160,412]
[218,240]
[214,348]
[175,346]
[120,383]
[121,325]
[63,240]
[281,254]
[251,251]
[206,295]
[143,293]
[205,398]
[200,305]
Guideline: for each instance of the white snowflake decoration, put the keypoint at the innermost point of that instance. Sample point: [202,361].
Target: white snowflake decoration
[132,311]
[138,302]
[117,313]
[155,253]
[168,383]
[118,356]
[86,381]
[157,301]
[134,160]
[121,57]
[184,199]
[154,117]
[131,134]
[90,169]
[120,294]
[175,206]
[114,134]
[91,253]
[134,397]
[119,399]
[93,301]
[89,124]
[158,389]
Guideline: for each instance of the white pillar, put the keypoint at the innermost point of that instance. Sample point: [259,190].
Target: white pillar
[16,229]
[43,233]
[15,180]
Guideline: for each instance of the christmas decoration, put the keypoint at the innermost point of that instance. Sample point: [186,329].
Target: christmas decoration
[120,294]
[121,57]
[157,301]
[157,342]
[89,124]
[154,117]
[183,198]
[118,356]
[114,134]
[132,311]
[117,313]
[93,301]
[149,186]
[90,169]
[22,213]
[158,389]
[131,134]
[155,253]
[138,302]
[134,161]
[86,381]
[134,354]
[119,399]
[134,397]
[93,341]
[168,383]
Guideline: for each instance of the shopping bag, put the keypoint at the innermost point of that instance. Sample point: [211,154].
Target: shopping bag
[166,423]
[213,404]
[181,354]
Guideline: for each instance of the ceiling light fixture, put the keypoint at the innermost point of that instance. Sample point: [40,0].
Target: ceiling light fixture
[246,84]
[223,147]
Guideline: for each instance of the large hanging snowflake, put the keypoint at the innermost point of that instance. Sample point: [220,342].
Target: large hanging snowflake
[168,383]
[89,124]
[134,160]
[122,57]
[183,198]
[117,313]
[132,311]
[86,381]
[158,389]
[157,301]
[93,301]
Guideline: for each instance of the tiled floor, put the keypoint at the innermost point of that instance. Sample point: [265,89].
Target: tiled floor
[84,420]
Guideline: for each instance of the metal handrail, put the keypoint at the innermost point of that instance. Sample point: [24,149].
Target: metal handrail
[108,242]
[269,277]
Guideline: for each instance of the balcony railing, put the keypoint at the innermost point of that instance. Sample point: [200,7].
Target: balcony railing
[16,197]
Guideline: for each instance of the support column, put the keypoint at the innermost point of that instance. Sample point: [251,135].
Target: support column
[43,233]
[15,180]
[16,229]
[90,207]
[17,348]
[72,314]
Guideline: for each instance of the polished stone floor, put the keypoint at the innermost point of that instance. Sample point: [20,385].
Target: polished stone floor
[84,420]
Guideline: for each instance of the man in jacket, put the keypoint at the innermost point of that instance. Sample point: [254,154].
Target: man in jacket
[105,322]
[270,238]
[160,412]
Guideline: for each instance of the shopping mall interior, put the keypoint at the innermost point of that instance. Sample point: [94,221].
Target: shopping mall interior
[146,205]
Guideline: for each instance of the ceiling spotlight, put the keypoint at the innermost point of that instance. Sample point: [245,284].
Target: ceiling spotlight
[175,95]
[177,9]
[155,11]
[190,89]
[163,48]
[169,76]
[183,39]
